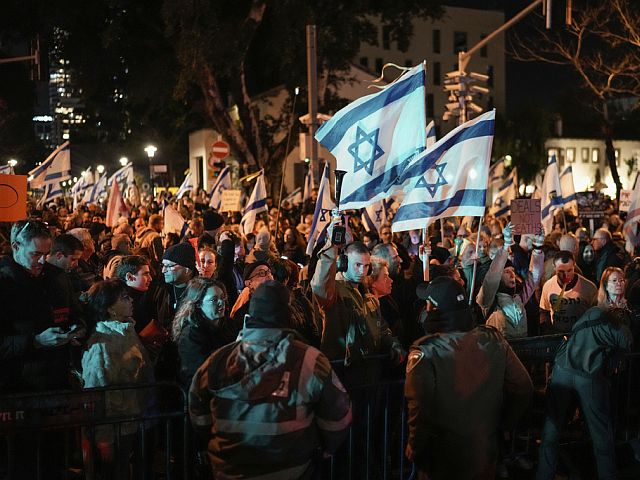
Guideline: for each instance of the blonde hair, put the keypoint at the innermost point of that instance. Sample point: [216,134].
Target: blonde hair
[377,264]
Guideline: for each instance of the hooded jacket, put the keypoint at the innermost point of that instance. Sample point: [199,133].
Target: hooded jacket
[269,404]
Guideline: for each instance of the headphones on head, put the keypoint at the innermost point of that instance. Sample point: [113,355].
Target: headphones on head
[342,263]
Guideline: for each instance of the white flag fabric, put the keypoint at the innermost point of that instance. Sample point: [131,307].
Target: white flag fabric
[450,178]
[431,133]
[550,195]
[173,222]
[116,207]
[508,191]
[222,183]
[256,204]
[375,137]
[309,185]
[633,215]
[51,192]
[6,170]
[568,191]
[98,191]
[294,198]
[322,212]
[187,186]
[56,168]
[124,176]
[374,216]
[79,190]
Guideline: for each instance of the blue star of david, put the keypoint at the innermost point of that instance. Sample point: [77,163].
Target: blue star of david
[323,212]
[499,202]
[432,188]
[378,215]
[376,152]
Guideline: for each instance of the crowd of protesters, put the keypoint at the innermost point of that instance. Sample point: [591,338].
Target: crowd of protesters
[254,328]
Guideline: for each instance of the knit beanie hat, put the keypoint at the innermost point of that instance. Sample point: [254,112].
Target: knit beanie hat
[269,306]
[452,312]
[212,220]
[182,254]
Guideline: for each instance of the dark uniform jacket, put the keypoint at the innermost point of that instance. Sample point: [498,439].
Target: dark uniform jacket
[608,256]
[269,404]
[461,388]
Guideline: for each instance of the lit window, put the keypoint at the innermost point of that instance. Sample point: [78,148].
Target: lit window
[595,155]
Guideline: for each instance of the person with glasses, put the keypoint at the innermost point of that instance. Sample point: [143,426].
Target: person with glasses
[114,355]
[607,253]
[201,325]
[254,275]
[178,267]
[612,288]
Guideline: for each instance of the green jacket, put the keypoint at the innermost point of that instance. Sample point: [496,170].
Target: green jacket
[268,405]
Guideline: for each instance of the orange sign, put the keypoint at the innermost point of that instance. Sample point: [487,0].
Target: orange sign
[13,198]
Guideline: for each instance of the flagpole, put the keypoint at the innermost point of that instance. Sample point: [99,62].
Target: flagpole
[475,263]
[284,162]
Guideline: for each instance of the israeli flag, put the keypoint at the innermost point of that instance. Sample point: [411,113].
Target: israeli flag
[173,221]
[294,198]
[322,212]
[6,170]
[98,191]
[223,183]
[550,195]
[256,204]
[568,191]
[55,169]
[507,192]
[376,137]
[124,177]
[51,192]
[449,179]
[187,185]
[374,216]
[309,185]
[79,190]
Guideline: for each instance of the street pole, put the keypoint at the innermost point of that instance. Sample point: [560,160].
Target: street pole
[312,87]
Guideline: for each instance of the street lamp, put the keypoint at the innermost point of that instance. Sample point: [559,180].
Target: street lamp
[100,169]
[124,161]
[12,163]
[151,152]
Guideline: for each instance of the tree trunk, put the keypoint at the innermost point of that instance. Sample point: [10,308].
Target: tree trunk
[610,152]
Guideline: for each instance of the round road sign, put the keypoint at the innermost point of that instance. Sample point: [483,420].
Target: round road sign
[220,149]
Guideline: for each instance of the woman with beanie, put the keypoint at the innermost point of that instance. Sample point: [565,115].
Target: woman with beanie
[201,325]
[115,356]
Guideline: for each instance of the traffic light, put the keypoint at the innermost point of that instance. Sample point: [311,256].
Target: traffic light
[218,167]
[462,87]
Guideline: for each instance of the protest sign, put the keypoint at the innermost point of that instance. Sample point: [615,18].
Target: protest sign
[231,201]
[525,216]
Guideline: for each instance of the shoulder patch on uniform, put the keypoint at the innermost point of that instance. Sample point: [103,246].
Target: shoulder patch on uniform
[414,358]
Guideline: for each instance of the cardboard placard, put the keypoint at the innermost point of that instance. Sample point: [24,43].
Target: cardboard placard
[625,200]
[231,201]
[525,216]
[13,198]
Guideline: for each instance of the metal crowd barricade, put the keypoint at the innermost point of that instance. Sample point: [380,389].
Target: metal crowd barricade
[53,434]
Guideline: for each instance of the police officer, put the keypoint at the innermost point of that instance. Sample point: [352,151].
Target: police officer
[481,388]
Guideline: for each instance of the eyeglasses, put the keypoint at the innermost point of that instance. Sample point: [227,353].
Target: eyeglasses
[261,273]
[169,267]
